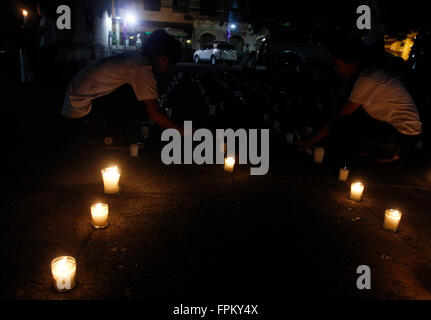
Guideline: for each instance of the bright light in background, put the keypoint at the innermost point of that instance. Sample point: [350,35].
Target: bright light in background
[118,18]
[233,26]
[130,18]
[189,41]
[24,13]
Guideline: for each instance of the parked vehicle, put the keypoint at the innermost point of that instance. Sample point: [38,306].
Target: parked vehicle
[216,51]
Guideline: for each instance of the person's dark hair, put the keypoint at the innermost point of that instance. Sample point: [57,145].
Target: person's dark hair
[160,43]
[346,47]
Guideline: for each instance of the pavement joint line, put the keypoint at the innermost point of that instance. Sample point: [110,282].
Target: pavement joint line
[87,240]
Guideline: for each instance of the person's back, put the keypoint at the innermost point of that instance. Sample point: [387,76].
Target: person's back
[386,99]
[106,75]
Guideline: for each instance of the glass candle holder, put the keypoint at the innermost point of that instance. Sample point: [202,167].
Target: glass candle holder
[64,273]
[111,179]
[356,190]
[392,220]
[344,174]
[99,215]
[319,153]
[229,164]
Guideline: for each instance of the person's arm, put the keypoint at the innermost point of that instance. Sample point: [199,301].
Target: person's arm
[346,110]
[158,117]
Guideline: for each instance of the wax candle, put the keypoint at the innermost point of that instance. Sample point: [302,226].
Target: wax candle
[392,220]
[25,15]
[134,150]
[289,138]
[356,190]
[111,178]
[344,174]
[99,215]
[319,153]
[229,164]
[63,273]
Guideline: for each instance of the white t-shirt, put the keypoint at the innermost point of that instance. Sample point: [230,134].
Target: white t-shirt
[386,99]
[47,38]
[104,76]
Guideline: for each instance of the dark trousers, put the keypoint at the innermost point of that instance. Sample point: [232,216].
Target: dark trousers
[359,133]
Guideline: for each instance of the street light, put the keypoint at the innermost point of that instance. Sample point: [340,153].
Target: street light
[130,18]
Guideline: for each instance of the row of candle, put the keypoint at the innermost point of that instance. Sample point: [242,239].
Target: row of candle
[64,268]
[392,216]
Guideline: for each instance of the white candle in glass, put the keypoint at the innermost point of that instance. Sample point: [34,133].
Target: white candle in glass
[25,15]
[319,153]
[344,174]
[392,220]
[134,150]
[111,179]
[63,273]
[99,215]
[229,164]
[356,190]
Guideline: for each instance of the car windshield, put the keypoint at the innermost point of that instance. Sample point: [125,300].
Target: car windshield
[224,46]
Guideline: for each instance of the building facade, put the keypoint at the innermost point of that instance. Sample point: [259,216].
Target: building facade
[123,25]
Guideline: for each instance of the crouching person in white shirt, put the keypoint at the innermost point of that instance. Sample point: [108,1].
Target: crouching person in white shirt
[380,119]
[159,54]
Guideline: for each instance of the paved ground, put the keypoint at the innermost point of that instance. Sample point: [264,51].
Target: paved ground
[197,232]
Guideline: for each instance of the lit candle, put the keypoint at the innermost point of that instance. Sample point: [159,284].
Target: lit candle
[111,178]
[319,153]
[392,220]
[25,15]
[344,174]
[99,215]
[229,163]
[356,190]
[289,138]
[134,150]
[63,273]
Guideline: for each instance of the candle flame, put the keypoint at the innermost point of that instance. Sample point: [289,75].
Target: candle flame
[230,161]
[24,13]
[394,213]
[111,171]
